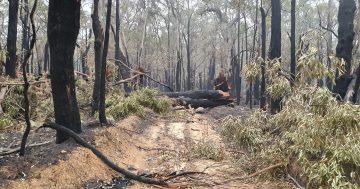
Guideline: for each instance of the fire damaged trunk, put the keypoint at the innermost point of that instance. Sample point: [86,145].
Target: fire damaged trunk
[63,29]
[11,59]
[345,46]
[275,44]
[98,48]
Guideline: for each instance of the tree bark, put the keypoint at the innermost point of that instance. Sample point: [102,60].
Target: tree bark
[11,59]
[293,45]
[119,55]
[263,56]
[98,48]
[102,113]
[346,32]
[63,29]
[275,44]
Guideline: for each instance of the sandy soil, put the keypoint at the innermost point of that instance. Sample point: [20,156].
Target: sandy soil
[156,145]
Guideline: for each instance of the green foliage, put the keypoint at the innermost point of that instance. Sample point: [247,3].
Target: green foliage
[324,135]
[119,107]
[208,149]
[252,71]
[246,132]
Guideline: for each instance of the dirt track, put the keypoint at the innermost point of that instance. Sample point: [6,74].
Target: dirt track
[157,146]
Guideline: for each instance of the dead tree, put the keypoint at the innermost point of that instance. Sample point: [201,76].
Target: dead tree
[98,48]
[11,59]
[63,29]
[102,113]
[26,82]
[275,43]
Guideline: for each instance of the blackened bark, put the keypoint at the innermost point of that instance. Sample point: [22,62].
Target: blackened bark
[63,29]
[237,72]
[98,48]
[257,81]
[263,56]
[102,113]
[119,55]
[46,57]
[275,43]
[346,32]
[293,45]
[25,30]
[11,59]
[329,46]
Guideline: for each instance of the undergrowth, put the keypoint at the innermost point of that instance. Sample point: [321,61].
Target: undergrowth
[119,106]
[322,134]
[207,149]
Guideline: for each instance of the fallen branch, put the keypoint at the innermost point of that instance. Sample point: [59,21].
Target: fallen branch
[254,174]
[127,80]
[102,157]
[8,151]
[144,74]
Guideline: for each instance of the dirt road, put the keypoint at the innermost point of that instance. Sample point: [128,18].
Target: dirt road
[157,146]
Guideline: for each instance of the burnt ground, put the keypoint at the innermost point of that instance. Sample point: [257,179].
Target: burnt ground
[157,146]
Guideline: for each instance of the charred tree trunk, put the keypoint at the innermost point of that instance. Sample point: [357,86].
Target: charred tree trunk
[293,45]
[98,48]
[346,32]
[11,59]
[237,72]
[46,57]
[102,114]
[63,29]
[25,30]
[257,81]
[275,44]
[119,55]
[84,54]
[263,56]
[329,46]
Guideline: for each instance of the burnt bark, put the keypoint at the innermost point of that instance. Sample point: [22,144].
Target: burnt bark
[346,32]
[263,56]
[293,44]
[275,44]
[102,113]
[46,57]
[98,48]
[63,29]
[11,59]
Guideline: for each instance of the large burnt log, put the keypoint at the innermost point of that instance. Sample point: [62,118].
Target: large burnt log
[211,94]
[204,103]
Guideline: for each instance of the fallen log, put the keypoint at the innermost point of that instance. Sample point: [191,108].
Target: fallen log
[205,103]
[211,94]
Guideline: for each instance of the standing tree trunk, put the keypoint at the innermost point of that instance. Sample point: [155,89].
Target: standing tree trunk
[257,81]
[102,114]
[84,54]
[98,48]
[119,55]
[275,44]
[263,56]
[188,51]
[63,29]
[346,32]
[11,59]
[24,14]
[329,45]
[237,72]
[46,57]
[293,45]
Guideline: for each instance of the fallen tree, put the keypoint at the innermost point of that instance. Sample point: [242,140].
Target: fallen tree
[211,94]
[205,103]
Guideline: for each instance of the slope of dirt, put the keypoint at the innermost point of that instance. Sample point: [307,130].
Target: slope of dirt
[157,146]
